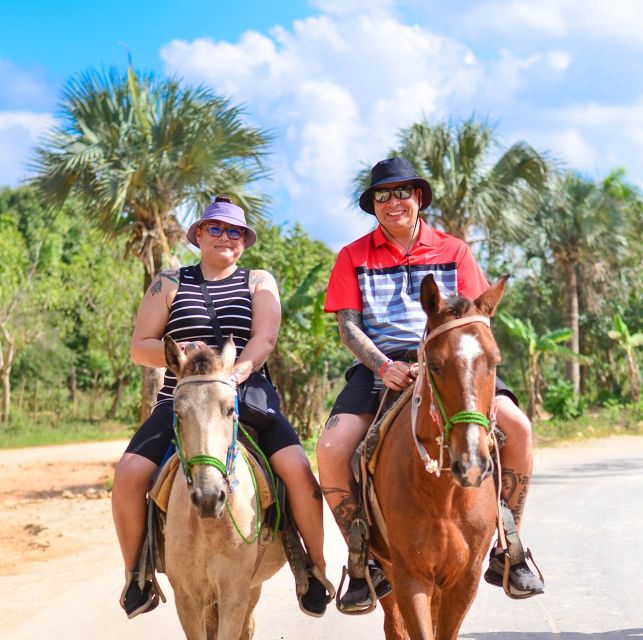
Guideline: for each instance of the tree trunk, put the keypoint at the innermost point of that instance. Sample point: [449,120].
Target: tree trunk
[36,399]
[152,378]
[92,397]
[21,393]
[571,293]
[73,391]
[6,395]
[120,388]
[635,378]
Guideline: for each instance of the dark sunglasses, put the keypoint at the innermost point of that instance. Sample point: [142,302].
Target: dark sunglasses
[217,232]
[401,193]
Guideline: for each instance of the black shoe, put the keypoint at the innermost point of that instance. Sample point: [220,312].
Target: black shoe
[358,597]
[137,601]
[523,582]
[314,601]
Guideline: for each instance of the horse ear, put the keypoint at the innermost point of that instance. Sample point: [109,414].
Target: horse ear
[430,296]
[174,356]
[229,354]
[488,301]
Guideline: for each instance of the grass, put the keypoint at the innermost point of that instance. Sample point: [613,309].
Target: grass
[595,423]
[51,429]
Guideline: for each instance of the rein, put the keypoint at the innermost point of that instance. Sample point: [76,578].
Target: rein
[461,417]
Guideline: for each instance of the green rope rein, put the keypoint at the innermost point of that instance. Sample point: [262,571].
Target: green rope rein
[462,417]
[211,461]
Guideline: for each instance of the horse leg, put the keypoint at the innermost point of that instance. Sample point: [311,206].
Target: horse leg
[191,615]
[394,628]
[454,606]
[249,622]
[413,594]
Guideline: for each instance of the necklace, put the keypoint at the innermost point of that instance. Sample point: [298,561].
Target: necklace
[407,252]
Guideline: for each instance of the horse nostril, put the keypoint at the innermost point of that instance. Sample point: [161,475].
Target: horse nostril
[457,468]
[489,468]
[222,497]
[195,496]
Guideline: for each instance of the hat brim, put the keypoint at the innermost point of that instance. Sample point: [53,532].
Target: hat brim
[366,199]
[250,235]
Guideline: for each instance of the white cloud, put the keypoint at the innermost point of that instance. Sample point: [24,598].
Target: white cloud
[602,19]
[19,133]
[336,92]
[559,60]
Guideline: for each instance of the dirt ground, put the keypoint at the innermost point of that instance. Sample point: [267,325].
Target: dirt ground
[54,502]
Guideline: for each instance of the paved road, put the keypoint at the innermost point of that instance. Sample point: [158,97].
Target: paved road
[584,523]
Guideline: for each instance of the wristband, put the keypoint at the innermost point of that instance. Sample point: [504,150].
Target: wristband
[384,367]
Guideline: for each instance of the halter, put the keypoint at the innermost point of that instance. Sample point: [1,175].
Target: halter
[461,417]
[201,458]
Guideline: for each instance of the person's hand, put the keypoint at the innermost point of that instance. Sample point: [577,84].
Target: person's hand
[398,375]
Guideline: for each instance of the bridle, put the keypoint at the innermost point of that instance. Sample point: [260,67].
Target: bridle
[187,464]
[446,423]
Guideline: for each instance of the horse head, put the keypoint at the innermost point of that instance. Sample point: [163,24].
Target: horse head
[205,414]
[461,356]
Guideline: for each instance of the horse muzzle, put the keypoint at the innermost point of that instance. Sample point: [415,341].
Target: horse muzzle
[208,494]
[470,470]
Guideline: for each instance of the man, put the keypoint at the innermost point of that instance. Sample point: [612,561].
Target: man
[374,289]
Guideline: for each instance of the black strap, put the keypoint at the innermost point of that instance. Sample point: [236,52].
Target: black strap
[209,305]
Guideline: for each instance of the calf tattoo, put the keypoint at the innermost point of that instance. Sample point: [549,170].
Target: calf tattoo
[344,511]
[515,486]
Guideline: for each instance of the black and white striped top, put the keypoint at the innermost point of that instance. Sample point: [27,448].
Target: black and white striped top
[189,319]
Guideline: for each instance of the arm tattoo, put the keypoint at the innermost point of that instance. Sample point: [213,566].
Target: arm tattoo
[172,276]
[333,421]
[257,278]
[351,331]
[156,286]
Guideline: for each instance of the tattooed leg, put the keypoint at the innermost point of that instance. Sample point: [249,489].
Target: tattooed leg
[345,506]
[516,456]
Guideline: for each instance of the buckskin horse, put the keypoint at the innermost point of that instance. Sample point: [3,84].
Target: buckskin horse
[433,476]
[214,558]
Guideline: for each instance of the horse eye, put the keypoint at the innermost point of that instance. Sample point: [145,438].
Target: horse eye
[434,368]
[230,412]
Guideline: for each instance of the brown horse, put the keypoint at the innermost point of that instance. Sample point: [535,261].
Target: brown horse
[433,477]
[214,557]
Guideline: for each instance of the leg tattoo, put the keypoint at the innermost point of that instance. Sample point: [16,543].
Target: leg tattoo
[514,491]
[344,511]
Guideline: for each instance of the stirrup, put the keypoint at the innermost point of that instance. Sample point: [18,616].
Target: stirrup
[505,575]
[302,587]
[371,591]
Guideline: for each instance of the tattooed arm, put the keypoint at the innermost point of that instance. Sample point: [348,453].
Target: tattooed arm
[351,332]
[396,376]
[153,314]
[266,318]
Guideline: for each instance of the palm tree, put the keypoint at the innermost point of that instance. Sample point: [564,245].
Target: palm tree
[577,222]
[469,191]
[537,347]
[136,150]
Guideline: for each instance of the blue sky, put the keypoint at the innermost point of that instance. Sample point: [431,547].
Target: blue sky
[335,80]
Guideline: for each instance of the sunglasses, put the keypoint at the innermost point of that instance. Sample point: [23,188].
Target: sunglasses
[232,232]
[401,193]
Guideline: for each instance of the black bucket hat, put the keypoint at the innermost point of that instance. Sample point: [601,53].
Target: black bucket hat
[393,170]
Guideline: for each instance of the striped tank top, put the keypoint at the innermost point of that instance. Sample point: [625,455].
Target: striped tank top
[189,320]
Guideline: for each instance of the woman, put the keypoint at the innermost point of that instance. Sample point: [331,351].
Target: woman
[247,307]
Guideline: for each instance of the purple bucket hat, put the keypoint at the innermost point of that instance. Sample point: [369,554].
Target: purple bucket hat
[224,211]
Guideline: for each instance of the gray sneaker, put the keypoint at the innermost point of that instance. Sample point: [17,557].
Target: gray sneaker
[523,582]
[358,597]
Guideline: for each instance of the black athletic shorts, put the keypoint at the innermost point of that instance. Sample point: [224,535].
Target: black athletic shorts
[362,392]
[154,436]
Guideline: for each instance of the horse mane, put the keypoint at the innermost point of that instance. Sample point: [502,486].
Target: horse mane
[454,307]
[202,361]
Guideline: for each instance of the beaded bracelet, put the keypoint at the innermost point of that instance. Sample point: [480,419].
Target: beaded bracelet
[384,367]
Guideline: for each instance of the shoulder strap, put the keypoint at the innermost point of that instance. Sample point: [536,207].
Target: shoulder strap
[209,305]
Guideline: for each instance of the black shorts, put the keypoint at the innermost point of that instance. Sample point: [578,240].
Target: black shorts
[362,392]
[154,436]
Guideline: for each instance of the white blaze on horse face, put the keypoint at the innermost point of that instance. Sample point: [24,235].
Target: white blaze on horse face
[468,351]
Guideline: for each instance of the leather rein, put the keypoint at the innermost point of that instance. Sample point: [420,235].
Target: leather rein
[446,423]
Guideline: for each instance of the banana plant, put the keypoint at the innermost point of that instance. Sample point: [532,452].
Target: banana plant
[628,343]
